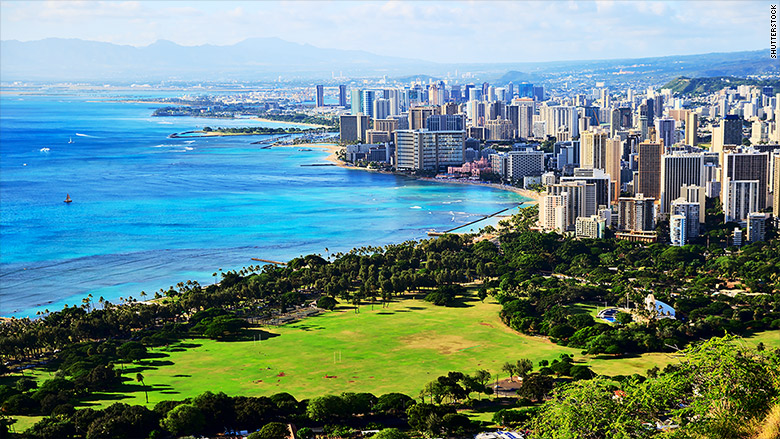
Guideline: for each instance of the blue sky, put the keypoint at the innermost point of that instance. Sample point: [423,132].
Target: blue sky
[460,31]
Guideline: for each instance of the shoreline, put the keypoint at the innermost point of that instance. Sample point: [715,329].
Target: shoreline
[333,148]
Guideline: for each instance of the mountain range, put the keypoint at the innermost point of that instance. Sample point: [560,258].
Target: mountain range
[263,59]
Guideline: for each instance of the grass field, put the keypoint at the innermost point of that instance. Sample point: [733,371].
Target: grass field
[395,349]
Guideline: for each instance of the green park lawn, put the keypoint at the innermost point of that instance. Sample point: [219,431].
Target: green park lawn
[394,349]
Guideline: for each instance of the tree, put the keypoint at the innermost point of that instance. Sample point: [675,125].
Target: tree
[522,367]
[184,419]
[272,430]
[325,408]
[131,351]
[623,318]
[509,368]
[390,433]
[535,387]
[140,378]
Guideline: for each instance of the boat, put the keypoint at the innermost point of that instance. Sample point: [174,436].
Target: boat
[67,198]
[44,149]
[71,140]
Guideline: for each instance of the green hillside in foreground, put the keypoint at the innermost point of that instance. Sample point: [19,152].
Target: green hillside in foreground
[683,85]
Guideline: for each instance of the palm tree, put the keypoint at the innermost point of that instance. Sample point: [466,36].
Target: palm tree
[140,379]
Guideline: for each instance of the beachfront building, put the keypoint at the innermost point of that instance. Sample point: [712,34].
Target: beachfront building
[472,169]
[423,150]
[353,128]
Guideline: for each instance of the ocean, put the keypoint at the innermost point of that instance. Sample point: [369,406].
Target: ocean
[149,211]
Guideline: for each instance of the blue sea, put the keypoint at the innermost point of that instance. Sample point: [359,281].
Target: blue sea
[149,211]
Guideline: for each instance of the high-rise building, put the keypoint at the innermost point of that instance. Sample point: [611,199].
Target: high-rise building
[381,108]
[691,213]
[678,230]
[353,127]
[747,164]
[342,95]
[560,117]
[649,167]
[581,199]
[756,226]
[356,101]
[695,194]
[592,227]
[596,177]
[445,122]
[679,169]
[525,163]
[729,132]
[593,149]
[776,185]
[418,116]
[429,150]
[389,125]
[740,198]
[636,213]
[320,98]
[367,98]
[664,129]
[499,129]
[691,129]
[553,212]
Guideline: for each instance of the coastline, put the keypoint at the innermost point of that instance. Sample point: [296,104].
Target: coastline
[333,148]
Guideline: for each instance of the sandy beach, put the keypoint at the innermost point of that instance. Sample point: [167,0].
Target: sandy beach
[333,148]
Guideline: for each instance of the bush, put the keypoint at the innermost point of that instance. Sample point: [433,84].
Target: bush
[272,430]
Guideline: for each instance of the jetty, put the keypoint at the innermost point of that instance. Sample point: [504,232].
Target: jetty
[435,233]
[268,261]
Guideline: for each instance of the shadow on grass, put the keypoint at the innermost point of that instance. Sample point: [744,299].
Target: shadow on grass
[578,308]
[153,364]
[415,308]
[615,357]
[181,375]
[386,313]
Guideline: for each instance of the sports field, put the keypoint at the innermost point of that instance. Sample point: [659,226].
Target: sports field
[395,349]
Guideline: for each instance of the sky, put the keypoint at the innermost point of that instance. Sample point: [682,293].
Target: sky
[440,31]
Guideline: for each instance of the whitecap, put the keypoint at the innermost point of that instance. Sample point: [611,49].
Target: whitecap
[87,135]
[415,207]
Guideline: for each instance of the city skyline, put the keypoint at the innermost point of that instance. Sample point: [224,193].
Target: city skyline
[476,32]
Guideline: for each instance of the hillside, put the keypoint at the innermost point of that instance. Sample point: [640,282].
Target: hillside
[696,86]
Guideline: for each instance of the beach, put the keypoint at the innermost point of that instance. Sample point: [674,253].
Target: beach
[333,148]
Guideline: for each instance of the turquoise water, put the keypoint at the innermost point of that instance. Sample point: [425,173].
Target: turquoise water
[149,211]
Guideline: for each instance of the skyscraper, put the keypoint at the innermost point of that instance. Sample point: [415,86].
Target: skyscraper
[429,150]
[691,129]
[320,98]
[776,185]
[367,100]
[342,95]
[353,127]
[677,230]
[381,108]
[649,178]
[747,165]
[679,169]
[664,129]
[356,101]
[418,116]
[636,213]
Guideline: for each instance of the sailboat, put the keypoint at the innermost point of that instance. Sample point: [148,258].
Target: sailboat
[71,140]
[67,198]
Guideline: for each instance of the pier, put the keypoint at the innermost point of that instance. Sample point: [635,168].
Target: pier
[268,261]
[434,233]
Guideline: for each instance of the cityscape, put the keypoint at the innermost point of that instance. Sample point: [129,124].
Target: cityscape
[249,220]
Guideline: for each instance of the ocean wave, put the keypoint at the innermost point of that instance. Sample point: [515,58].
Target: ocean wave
[87,135]
[415,207]
[166,145]
[189,141]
